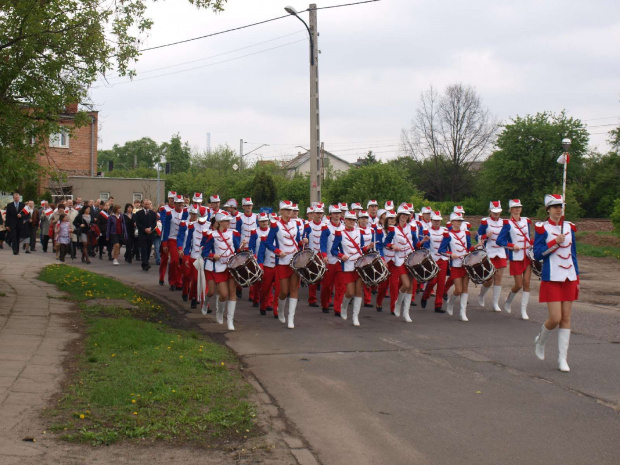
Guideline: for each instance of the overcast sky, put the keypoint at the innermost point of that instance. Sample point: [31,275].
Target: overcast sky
[376,58]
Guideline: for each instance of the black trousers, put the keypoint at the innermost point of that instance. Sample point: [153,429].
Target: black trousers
[14,234]
[146,244]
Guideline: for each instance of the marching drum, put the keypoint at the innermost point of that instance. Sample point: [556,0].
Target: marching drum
[244,268]
[372,269]
[421,265]
[478,266]
[536,264]
[308,266]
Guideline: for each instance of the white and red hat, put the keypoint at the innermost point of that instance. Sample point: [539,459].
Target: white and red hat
[495,206]
[335,208]
[295,207]
[231,203]
[553,199]
[514,203]
[214,198]
[459,209]
[179,199]
[390,214]
[436,215]
[389,205]
[363,214]
[193,210]
[172,194]
[410,207]
[372,203]
[380,212]
[426,210]
[223,216]
[455,216]
[343,206]
[43,202]
[356,206]
[286,205]
[349,215]
[246,201]
[403,209]
[263,217]
[197,197]
[274,216]
[319,207]
[309,210]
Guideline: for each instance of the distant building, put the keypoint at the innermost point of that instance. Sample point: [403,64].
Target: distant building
[301,164]
[70,154]
[124,190]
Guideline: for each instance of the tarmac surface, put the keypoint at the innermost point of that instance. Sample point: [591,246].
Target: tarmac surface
[435,391]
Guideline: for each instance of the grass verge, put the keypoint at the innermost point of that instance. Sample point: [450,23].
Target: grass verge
[598,244]
[139,379]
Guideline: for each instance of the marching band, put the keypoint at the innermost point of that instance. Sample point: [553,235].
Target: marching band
[350,254]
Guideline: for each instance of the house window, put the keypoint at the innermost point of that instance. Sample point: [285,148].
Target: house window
[137,196]
[60,139]
[105,196]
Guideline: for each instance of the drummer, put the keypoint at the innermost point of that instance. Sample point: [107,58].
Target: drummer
[368,233]
[488,232]
[284,240]
[348,246]
[219,245]
[436,233]
[466,226]
[333,266]
[515,236]
[387,220]
[555,245]
[456,244]
[313,231]
[402,240]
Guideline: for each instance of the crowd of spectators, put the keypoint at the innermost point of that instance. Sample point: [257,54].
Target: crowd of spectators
[91,228]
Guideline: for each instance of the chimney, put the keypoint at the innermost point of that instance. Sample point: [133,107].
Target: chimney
[71,108]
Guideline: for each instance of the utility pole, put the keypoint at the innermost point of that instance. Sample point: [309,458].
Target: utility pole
[158,195]
[315,135]
[240,154]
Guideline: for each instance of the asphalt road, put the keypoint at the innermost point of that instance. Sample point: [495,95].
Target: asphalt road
[436,391]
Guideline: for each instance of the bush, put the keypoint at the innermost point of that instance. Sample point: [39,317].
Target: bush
[615,216]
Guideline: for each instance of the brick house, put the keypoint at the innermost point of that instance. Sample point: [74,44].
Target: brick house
[70,155]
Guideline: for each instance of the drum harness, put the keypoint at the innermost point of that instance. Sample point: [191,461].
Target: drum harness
[357,247]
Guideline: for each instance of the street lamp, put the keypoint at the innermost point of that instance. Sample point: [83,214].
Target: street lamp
[246,154]
[315,136]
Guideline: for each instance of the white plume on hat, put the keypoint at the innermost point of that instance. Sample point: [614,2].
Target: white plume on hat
[389,205]
[363,214]
[246,201]
[426,210]
[178,199]
[458,209]
[197,197]
[214,198]
[286,205]
[371,203]
[335,208]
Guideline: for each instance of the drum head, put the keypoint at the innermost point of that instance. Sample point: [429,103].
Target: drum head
[417,257]
[475,257]
[366,260]
[302,258]
[238,259]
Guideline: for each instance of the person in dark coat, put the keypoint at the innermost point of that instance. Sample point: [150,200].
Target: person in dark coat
[130,227]
[146,222]
[14,221]
[82,224]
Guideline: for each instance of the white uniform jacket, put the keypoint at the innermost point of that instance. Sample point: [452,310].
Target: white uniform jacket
[283,237]
[489,231]
[515,233]
[223,243]
[436,238]
[327,240]
[456,244]
[348,242]
[559,260]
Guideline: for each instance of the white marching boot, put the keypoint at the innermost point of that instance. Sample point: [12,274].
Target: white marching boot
[281,309]
[464,298]
[508,303]
[343,307]
[399,303]
[540,341]
[204,309]
[525,298]
[219,310]
[483,292]
[292,305]
[450,306]
[497,292]
[563,340]
[357,306]
[406,308]
[230,314]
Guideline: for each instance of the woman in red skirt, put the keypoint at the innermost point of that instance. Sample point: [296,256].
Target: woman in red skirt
[555,245]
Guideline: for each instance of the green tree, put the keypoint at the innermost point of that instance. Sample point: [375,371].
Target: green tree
[264,190]
[381,181]
[525,166]
[145,152]
[51,52]
[369,159]
[598,187]
[177,154]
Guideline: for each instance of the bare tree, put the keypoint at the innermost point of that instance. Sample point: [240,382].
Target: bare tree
[448,133]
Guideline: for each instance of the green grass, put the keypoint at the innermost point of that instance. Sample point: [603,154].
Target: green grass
[142,379]
[592,250]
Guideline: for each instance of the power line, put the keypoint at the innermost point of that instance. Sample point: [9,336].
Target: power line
[606,117]
[115,76]
[203,66]
[602,125]
[212,34]
[346,4]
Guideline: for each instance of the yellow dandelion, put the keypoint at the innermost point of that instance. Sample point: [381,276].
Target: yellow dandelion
[174,390]
[180,356]
[133,401]
[135,413]
[81,416]
[222,363]
[113,355]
